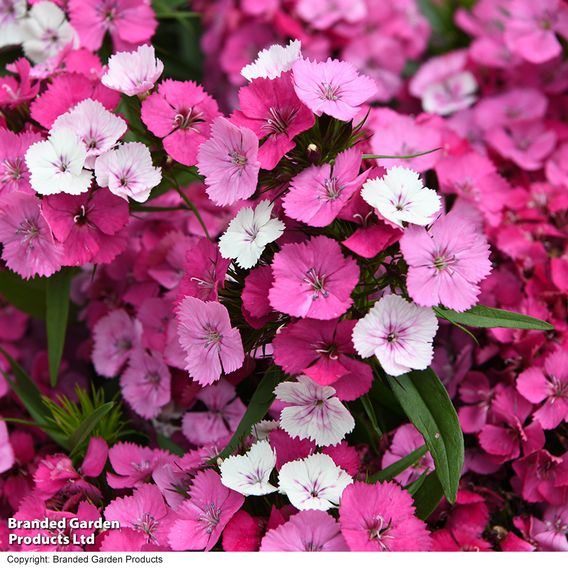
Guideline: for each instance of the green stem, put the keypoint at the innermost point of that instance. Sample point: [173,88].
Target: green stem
[406,157]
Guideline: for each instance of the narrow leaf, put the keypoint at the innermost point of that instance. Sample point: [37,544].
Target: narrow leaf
[166,444]
[257,408]
[428,496]
[401,157]
[399,466]
[482,316]
[428,406]
[88,425]
[56,316]
[370,412]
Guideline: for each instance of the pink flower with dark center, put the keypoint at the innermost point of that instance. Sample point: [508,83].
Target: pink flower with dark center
[318,193]
[212,346]
[229,162]
[446,263]
[28,245]
[313,279]
[14,173]
[271,109]
[180,113]
[549,387]
[202,518]
[380,517]
[323,351]
[332,87]
[306,531]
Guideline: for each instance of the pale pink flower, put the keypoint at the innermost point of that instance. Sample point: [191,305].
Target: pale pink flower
[133,73]
[324,14]
[306,531]
[128,171]
[398,333]
[332,87]
[14,174]
[212,346]
[313,412]
[446,263]
[229,162]
[7,458]
[271,62]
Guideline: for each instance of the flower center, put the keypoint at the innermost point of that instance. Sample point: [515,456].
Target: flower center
[332,189]
[379,530]
[212,336]
[279,120]
[81,217]
[329,92]
[211,516]
[238,159]
[187,119]
[317,282]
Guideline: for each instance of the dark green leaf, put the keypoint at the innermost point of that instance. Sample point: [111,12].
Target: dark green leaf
[26,295]
[398,156]
[482,316]
[166,444]
[428,496]
[57,314]
[398,467]
[413,487]
[370,412]
[257,408]
[88,425]
[428,406]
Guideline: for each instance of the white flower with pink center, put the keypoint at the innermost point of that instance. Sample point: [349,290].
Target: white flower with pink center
[398,333]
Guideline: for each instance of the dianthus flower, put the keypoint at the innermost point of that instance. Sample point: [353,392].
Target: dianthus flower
[14,174]
[270,63]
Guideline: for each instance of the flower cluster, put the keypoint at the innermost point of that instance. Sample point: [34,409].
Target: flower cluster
[275,285]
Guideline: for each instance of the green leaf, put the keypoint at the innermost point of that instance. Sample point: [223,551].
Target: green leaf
[257,408]
[398,157]
[428,406]
[166,444]
[428,495]
[398,467]
[88,425]
[26,295]
[482,316]
[56,316]
[370,412]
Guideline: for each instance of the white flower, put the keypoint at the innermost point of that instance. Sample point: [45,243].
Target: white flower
[11,14]
[249,233]
[56,164]
[133,73]
[273,61]
[46,31]
[250,474]
[398,333]
[315,482]
[314,412]
[400,197]
[98,128]
[128,171]
[454,93]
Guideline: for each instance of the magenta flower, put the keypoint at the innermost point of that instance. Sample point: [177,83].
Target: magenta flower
[129,22]
[306,531]
[549,387]
[146,383]
[28,245]
[446,263]
[271,109]
[332,87]
[181,113]
[380,517]
[313,279]
[229,162]
[87,225]
[202,518]
[318,193]
[323,351]
[211,345]
[224,410]
[14,173]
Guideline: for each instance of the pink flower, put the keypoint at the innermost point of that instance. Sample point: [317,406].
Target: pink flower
[202,518]
[332,87]
[14,174]
[229,162]
[14,91]
[323,351]
[211,345]
[116,336]
[223,414]
[458,540]
[549,387]
[87,225]
[134,465]
[144,511]
[531,28]
[476,393]
[318,193]
[271,109]
[129,22]
[7,457]
[181,113]
[380,517]
[146,383]
[324,14]
[446,263]
[28,245]
[256,305]
[405,440]
[306,531]
[133,73]
[551,532]
[243,533]
[313,279]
